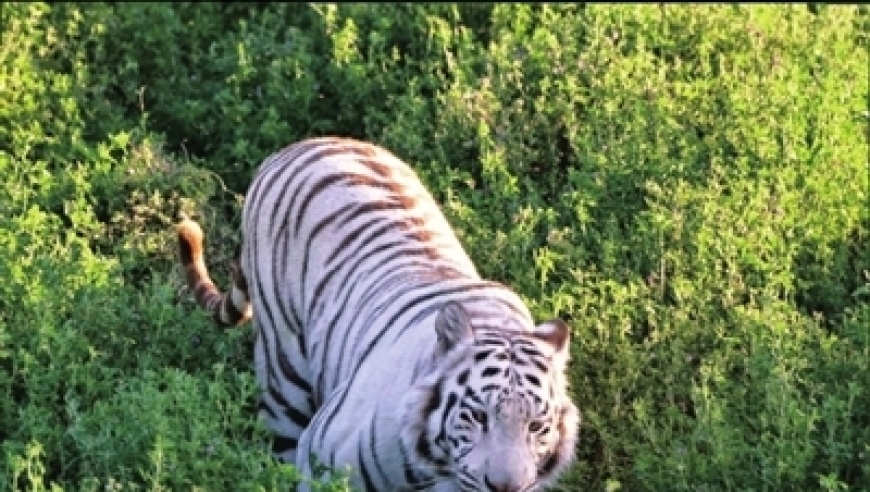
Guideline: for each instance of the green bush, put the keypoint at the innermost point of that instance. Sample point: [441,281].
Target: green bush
[687,185]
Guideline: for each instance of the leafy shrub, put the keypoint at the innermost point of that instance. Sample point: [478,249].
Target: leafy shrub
[686,185]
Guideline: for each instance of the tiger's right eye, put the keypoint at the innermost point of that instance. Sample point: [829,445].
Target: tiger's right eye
[479,416]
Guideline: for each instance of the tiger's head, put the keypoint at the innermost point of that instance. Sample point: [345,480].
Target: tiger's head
[491,412]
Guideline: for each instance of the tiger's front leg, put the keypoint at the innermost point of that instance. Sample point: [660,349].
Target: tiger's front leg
[327,438]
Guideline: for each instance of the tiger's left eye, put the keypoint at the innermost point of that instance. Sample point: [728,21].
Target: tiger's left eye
[536,426]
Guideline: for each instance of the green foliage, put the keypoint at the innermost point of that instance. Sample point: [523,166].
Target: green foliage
[686,185]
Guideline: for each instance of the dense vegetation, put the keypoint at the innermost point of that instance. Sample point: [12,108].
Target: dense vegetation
[687,185]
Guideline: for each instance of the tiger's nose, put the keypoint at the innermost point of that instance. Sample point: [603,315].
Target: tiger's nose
[500,487]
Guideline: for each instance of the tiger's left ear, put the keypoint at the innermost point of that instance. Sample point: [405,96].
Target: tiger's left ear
[452,326]
[555,333]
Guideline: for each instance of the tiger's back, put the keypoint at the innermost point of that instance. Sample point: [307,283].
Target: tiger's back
[348,264]
[341,221]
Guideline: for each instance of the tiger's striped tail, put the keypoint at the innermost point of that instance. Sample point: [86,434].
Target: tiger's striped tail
[232,308]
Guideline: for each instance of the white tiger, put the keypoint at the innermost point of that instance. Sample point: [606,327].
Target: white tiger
[378,345]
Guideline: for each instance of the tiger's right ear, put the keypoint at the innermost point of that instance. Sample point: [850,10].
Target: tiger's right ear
[452,326]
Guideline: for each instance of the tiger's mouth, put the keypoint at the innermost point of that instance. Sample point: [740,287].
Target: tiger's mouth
[490,487]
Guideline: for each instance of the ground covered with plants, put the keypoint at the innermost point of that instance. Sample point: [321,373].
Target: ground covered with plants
[686,185]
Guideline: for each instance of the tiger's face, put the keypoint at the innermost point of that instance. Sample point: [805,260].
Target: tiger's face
[493,414]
